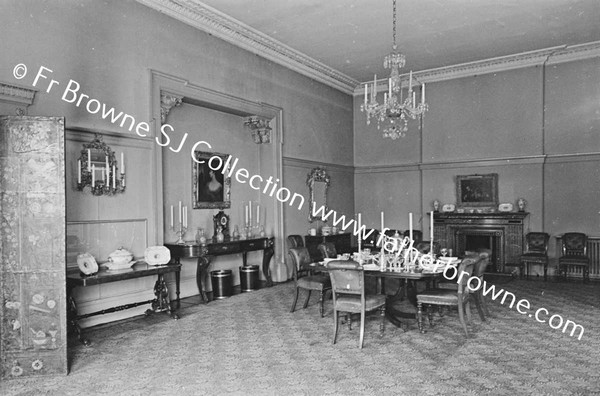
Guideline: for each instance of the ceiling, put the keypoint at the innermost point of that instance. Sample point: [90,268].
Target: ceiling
[353,36]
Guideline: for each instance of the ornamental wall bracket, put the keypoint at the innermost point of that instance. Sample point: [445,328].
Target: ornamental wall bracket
[260,128]
[20,96]
[167,102]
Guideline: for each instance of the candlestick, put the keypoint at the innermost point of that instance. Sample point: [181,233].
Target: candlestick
[382,221]
[414,99]
[410,225]
[250,213]
[422,93]
[106,162]
[93,176]
[257,214]
[171,216]
[122,163]
[390,87]
[185,216]
[179,211]
[374,88]
[89,160]
[410,82]
[79,171]
[366,94]
[246,215]
[114,175]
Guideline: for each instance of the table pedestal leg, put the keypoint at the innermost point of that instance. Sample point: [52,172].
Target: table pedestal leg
[161,302]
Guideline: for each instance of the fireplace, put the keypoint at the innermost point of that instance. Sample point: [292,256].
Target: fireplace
[500,232]
[475,239]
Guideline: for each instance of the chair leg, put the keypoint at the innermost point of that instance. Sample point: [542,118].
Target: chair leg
[321,300]
[430,315]
[484,303]
[382,324]
[461,317]
[295,299]
[307,299]
[478,304]
[362,329]
[545,271]
[420,316]
[335,327]
[349,320]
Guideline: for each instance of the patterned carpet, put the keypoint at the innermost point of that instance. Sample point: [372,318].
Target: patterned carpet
[250,344]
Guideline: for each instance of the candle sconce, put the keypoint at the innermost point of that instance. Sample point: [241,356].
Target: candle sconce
[97,169]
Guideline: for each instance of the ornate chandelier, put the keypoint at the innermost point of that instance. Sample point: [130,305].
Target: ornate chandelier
[395,110]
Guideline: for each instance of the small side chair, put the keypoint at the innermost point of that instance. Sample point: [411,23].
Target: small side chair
[536,252]
[574,254]
[348,287]
[304,279]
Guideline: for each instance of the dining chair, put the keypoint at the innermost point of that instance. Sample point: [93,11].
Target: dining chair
[536,252]
[425,246]
[348,289]
[295,241]
[574,254]
[417,235]
[483,260]
[305,279]
[444,297]
[327,250]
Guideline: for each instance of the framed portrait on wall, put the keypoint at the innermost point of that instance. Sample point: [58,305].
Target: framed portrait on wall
[477,190]
[210,188]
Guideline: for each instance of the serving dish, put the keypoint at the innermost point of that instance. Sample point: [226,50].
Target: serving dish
[119,259]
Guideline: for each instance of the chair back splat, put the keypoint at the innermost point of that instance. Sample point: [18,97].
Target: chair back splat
[327,250]
[574,255]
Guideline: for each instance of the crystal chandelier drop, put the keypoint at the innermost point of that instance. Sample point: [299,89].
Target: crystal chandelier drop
[395,110]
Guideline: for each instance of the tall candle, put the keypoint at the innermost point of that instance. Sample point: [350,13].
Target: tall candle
[179,212]
[246,215]
[250,213]
[382,221]
[431,233]
[414,99]
[106,161]
[114,177]
[89,160]
[374,88]
[185,216]
[390,87]
[171,216]
[410,230]
[93,176]
[359,240]
[79,171]
[122,163]
[423,94]
[366,94]
[410,81]
[257,214]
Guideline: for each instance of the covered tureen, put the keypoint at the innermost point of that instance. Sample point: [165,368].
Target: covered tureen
[120,259]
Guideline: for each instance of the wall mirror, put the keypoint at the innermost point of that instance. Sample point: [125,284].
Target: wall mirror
[318,184]
[98,170]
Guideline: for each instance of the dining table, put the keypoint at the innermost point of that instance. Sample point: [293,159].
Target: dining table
[401,305]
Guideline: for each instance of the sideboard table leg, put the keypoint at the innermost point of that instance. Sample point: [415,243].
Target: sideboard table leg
[267,254]
[203,263]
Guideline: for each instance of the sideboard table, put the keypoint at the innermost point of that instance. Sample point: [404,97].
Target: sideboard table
[204,254]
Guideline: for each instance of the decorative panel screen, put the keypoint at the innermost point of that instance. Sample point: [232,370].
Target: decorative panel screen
[32,247]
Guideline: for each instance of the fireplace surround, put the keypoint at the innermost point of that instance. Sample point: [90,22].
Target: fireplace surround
[500,232]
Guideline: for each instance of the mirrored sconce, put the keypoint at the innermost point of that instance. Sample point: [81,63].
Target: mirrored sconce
[97,169]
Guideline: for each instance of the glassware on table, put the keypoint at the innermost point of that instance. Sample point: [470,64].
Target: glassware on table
[444,252]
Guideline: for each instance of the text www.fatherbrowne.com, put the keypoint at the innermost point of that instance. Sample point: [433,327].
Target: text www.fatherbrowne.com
[523,306]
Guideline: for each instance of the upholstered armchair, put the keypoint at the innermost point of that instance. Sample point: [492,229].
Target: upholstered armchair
[574,255]
[327,250]
[536,252]
[304,279]
[348,288]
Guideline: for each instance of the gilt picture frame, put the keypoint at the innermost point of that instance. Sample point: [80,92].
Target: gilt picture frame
[211,189]
[479,191]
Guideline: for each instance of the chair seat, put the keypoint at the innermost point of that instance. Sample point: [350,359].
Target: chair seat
[438,296]
[351,303]
[574,260]
[315,282]
[534,257]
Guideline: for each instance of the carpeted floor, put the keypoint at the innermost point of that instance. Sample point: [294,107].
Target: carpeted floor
[250,344]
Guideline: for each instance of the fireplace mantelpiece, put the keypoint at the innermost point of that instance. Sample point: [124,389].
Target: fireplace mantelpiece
[505,229]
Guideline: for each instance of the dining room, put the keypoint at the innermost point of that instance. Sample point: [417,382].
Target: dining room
[157,156]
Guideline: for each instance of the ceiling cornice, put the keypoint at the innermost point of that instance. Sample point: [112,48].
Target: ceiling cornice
[218,24]
[548,56]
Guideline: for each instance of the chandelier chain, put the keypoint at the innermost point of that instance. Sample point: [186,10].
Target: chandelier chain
[394,25]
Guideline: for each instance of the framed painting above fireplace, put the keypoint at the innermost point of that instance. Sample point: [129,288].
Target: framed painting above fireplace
[480,191]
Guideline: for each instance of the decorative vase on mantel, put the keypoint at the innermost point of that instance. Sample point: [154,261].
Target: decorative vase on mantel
[200,237]
[521,204]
